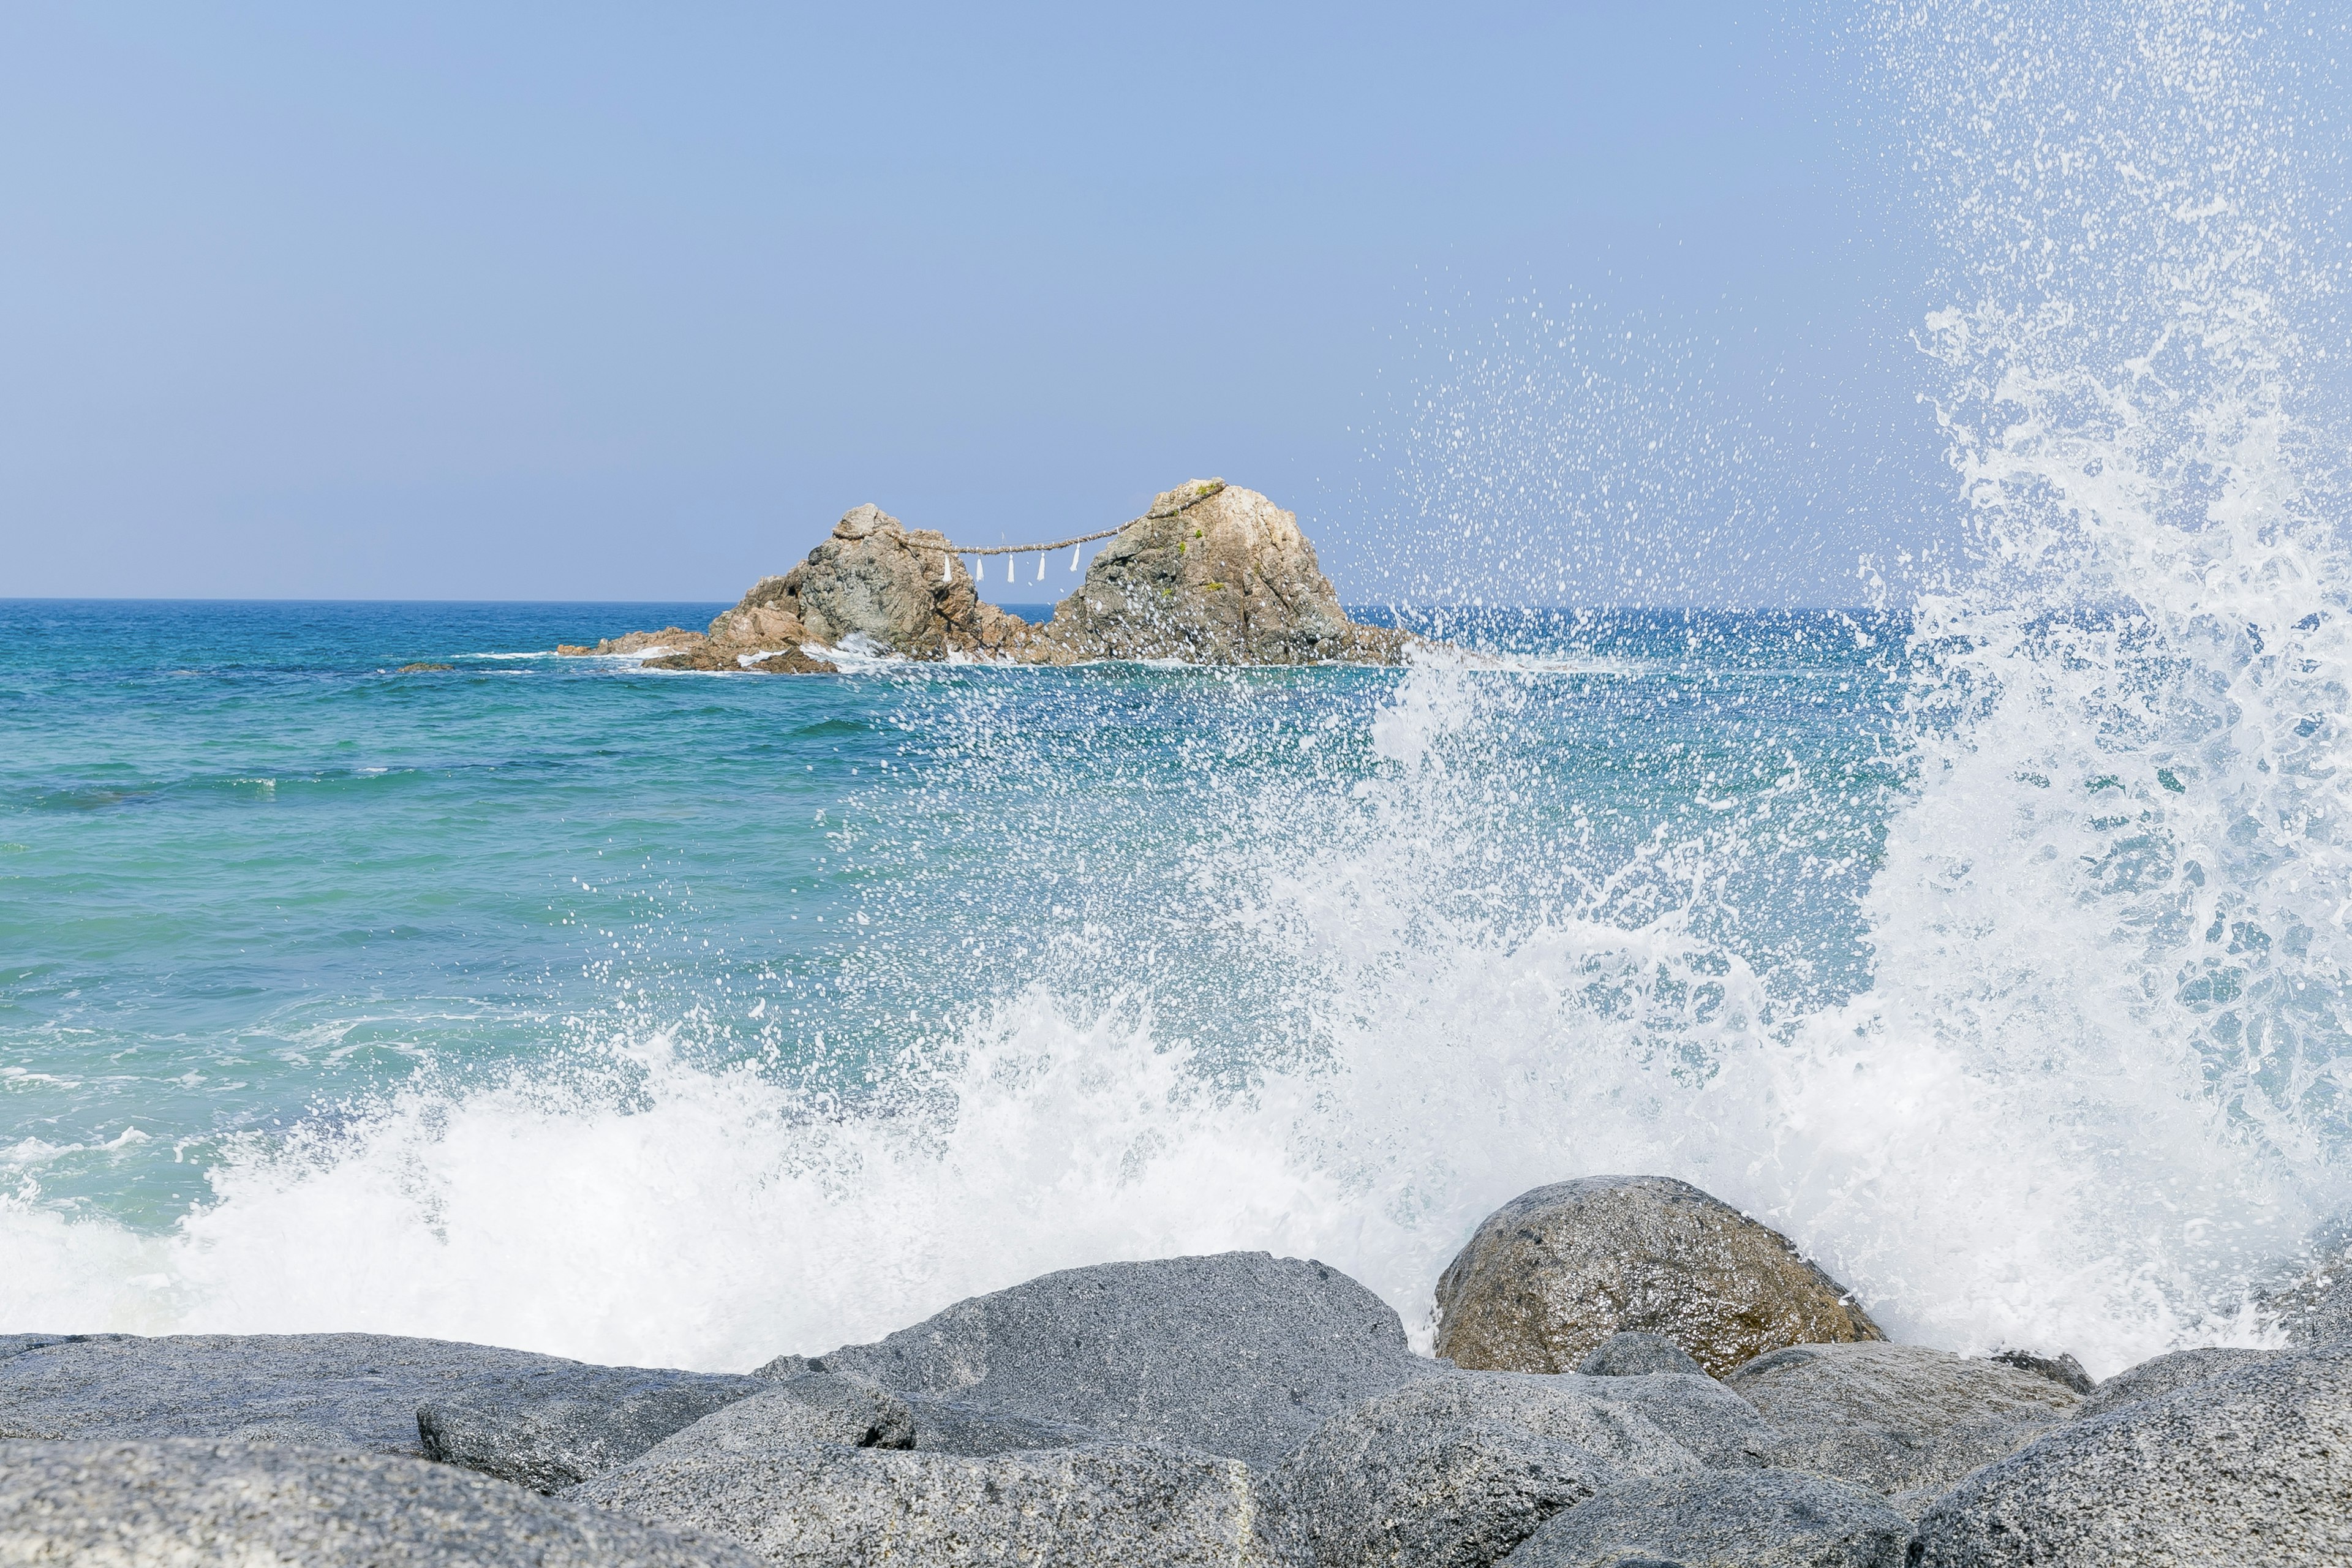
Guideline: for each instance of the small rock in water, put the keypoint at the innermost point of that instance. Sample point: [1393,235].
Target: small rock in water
[1455,1470]
[2061,1369]
[1241,1354]
[567,1429]
[1109,1505]
[1633,1354]
[2169,1375]
[189,1502]
[422,669]
[1902,1420]
[1746,1519]
[1555,1272]
[2251,1466]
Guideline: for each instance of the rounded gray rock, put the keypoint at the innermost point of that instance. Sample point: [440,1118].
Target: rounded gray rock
[163,1504]
[1550,1275]
[1632,1354]
[1746,1519]
[2170,1373]
[814,1408]
[2253,1467]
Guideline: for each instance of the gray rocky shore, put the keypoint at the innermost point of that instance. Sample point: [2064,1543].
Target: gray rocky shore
[1632,1375]
[1212,573]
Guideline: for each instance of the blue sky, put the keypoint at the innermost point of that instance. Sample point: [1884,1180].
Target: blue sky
[603,302]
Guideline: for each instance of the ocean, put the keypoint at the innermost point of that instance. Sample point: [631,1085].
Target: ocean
[1992,938]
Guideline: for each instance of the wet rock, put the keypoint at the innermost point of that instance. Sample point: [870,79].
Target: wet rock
[795,1412]
[1241,1354]
[1900,1420]
[677,639]
[2251,1466]
[2169,1375]
[1751,1518]
[569,1428]
[356,1391]
[211,1502]
[1632,1354]
[422,669]
[1213,574]
[2317,1306]
[1555,1272]
[956,1426]
[1455,1469]
[2061,1369]
[1111,1504]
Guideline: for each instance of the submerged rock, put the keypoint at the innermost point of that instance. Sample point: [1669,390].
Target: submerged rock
[1239,1354]
[1455,1469]
[832,1507]
[1555,1272]
[1902,1420]
[1212,574]
[1751,1518]
[349,1390]
[2254,1465]
[211,1502]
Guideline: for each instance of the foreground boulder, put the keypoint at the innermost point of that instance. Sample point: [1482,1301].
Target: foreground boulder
[848,1507]
[2170,1373]
[1210,575]
[1241,1354]
[261,1505]
[565,1429]
[1553,1274]
[2253,1467]
[1746,1519]
[349,1390]
[1455,1470]
[1902,1420]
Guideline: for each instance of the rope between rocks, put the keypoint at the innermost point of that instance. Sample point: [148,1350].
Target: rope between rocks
[1015,549]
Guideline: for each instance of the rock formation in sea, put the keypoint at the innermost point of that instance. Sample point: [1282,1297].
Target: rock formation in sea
[1240,1410]
[1212,573]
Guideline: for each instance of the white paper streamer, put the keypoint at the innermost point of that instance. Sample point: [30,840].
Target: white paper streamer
[1041,569]
[1074,557]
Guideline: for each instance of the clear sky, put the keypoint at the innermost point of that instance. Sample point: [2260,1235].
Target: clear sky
[554,301]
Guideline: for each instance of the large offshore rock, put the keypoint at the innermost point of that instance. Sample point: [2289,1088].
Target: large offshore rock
[2169,1374]
[131,1505]
[358,1391]
[2253,1467]
[570,1428]
[1455,1470]
[1106,1506]
[1748,1519]
[1553,1274]
[1901,1420]
[1241,1354]
[1213,574]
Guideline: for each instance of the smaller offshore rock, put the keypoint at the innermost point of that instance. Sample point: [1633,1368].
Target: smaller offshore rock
[175,1502]
[1212,575]
[1633,1354]
[1109,1505]
[571,1429]
[1455,1469]
[1239,1354]
[2251,1466]
[423,669]
[2061,1369]
[795,1412]
[355,1391]
[1748,1518]
[1902,1420]
[2170,1373]
[1556,1271]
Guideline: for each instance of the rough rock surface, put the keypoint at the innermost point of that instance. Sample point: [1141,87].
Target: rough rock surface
[2167,1374]
[1901,1420]
[2061,1369]
[1108,1506]
[1553,1273]
[1455,1470]
[1239,1354]
[1748,1518]
[795,1412]
[570,1428]
[957,1427]
[129,1505]
[2253,1467]
[2317,1306]
[357,1391]
[1634,1354]
[1719,1429]
[1213,574]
